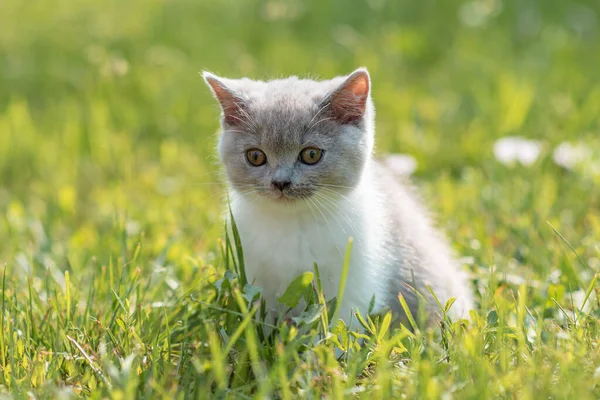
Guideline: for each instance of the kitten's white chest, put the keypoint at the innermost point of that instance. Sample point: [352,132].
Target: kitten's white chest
[279,246]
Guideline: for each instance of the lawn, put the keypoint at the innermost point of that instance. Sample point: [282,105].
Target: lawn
[118,280]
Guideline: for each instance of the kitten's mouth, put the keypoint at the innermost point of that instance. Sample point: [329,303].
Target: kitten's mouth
[283,198]
[288,195]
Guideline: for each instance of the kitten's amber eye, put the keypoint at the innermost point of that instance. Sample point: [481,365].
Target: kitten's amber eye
[256,157]
[311,155]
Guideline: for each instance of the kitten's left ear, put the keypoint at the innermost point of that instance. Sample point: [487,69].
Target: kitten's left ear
[348,103]
[232,104]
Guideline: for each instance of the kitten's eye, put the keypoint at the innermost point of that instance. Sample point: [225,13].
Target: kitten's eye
[311,155]
[256,157]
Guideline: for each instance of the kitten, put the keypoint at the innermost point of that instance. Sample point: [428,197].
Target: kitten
[298,158]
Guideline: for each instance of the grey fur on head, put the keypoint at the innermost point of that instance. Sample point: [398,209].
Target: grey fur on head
[282,117]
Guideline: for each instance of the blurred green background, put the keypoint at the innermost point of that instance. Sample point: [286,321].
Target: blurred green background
[107,138]
[103,115]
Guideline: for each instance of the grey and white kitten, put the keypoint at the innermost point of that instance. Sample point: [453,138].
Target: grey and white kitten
[298,155]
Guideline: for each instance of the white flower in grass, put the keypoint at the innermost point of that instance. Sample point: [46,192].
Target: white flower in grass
[401,164]
[511,149]
[569,155]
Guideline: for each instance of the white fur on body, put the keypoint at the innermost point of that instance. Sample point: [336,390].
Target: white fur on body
[282,241]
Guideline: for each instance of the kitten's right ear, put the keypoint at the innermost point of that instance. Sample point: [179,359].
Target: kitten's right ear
[232,105]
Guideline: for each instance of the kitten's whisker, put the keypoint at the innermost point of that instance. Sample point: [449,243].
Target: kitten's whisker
[235,131]
[319,121]
[238,118]
[331,191]
[315,202]
[332,201]
[205,183]
[332,212]
[333,186]
[309,204]
[242,193]
[323,107]
[336,208]
[251,123]
[326,192]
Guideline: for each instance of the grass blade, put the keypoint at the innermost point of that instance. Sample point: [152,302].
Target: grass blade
[343,279]
[238,248]
[570,247]
[3,317]
[406,309]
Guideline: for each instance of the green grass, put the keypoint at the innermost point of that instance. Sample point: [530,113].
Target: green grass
[114,281]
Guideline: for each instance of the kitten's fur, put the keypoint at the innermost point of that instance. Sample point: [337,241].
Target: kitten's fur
[347,193]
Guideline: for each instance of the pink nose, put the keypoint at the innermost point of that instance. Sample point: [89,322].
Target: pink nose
[281,185]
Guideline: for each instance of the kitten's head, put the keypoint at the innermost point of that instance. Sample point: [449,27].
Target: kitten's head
[289,139]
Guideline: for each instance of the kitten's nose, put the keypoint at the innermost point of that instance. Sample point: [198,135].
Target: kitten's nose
[281,184]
